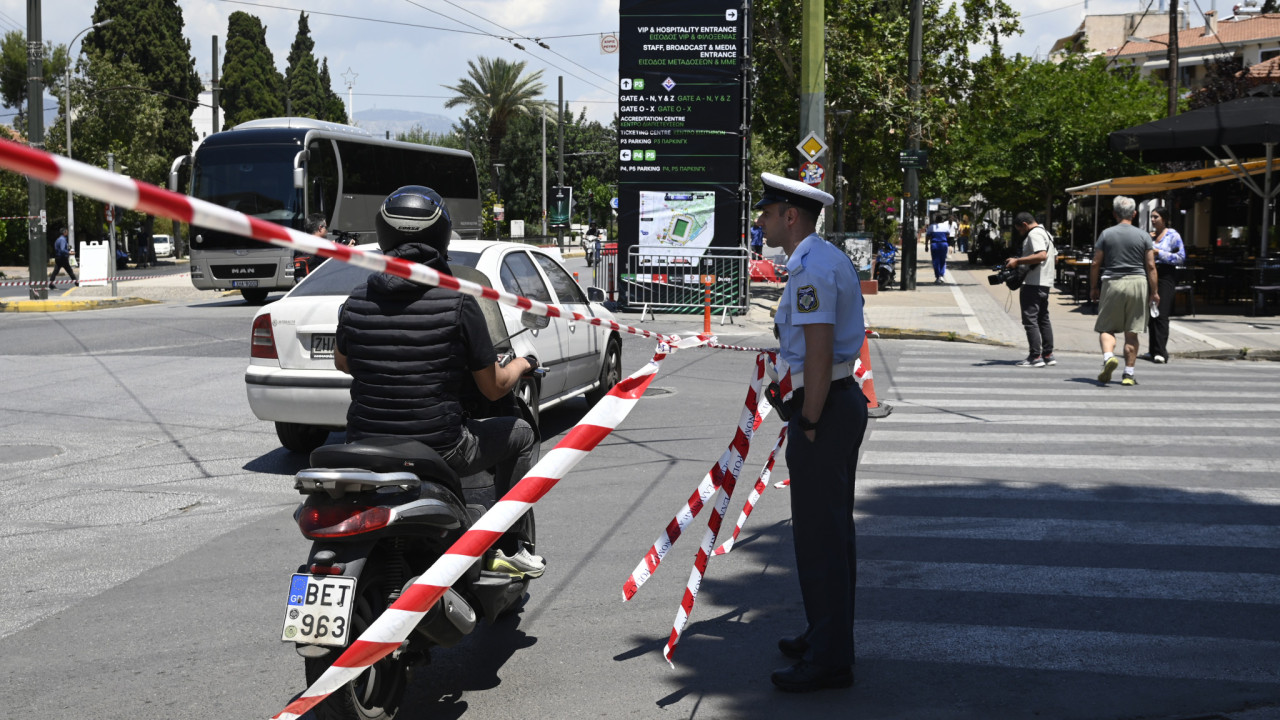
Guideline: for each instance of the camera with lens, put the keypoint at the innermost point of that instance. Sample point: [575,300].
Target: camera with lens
[1007,275]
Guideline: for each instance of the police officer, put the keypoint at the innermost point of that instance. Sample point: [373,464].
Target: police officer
[820,332]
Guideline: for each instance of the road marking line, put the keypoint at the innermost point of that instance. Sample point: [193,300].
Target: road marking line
[1047,461]
[1212,342]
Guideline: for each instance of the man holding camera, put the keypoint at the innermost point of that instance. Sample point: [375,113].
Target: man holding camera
[1037,268]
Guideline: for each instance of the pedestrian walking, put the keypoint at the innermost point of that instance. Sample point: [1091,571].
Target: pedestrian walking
[820,332]
[1170,253]
[1037,267]
[757,242]
[962,240]
[939,234]
[62,253]
[1125,266]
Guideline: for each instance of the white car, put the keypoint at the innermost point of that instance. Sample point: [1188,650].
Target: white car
[162,245]
[292,382]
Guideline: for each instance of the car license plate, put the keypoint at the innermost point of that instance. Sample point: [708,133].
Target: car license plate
[319,610]
[322,345]
[244,283]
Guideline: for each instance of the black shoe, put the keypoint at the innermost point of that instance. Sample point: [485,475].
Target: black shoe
[805,676]
[794,647]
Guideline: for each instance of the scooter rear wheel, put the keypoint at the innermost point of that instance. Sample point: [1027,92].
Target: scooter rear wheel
[377,693]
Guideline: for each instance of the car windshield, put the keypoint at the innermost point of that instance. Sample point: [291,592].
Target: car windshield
[335,277]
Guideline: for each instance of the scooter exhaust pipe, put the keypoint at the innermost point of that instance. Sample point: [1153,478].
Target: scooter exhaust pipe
[448,621]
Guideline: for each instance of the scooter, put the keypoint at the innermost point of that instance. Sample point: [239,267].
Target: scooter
[379,513]
[886,265]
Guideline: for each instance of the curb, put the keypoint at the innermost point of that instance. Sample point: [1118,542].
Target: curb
[1231,354]
[947,336]
[49,306]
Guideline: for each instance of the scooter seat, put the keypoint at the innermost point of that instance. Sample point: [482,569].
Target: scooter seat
[389,454]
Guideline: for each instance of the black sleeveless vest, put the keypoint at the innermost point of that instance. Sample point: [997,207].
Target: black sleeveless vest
[405,351]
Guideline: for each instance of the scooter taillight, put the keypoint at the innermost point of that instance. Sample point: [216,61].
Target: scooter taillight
[329,521]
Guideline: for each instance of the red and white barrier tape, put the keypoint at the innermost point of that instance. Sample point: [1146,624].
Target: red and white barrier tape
[394,625]
[82,281]
[750,420]
[126,192]
[733,456]
[762,484]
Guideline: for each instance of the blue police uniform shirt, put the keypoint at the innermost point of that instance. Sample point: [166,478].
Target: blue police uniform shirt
[822,288]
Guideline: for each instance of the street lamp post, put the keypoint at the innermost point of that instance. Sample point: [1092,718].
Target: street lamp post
[71,210]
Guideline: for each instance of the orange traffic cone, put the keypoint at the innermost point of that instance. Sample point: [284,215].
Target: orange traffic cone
[862,373]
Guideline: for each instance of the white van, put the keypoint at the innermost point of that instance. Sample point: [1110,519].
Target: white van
[162,245]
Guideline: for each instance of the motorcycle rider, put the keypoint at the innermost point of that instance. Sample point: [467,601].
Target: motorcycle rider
[420,355]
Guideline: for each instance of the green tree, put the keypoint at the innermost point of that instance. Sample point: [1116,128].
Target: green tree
[13,72]
[867,43]
[417,134]
[496,92]
[148,34]
[252,87]
[334,109]
[1033,129]
[115,113]
[302,77]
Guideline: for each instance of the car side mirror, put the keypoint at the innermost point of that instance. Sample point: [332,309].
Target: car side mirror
[534,322]
[595,294]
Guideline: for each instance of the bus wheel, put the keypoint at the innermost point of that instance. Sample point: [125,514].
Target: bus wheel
[254,296]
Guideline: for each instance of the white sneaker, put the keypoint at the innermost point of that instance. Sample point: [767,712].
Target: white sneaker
[522,563]
[1031,362]
[1159,359]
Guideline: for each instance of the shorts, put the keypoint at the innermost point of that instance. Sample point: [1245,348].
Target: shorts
[1122,306]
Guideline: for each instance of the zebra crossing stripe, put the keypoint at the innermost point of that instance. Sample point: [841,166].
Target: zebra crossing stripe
[1118,532]
[1099,492]
[1076,582]
[952,404]
[1081,391]
[929,416]
[1040,461]
[1098,653]
[1138,437]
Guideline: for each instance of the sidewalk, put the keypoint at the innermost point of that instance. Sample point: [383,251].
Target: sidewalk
[965,309]
[968,308]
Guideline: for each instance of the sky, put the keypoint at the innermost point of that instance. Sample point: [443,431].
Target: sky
[400,52]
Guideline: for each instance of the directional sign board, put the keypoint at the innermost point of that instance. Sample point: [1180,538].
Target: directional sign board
[917,159]
[812,147]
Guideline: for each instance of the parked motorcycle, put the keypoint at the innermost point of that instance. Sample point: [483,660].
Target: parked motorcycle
[379,512]
[886,265]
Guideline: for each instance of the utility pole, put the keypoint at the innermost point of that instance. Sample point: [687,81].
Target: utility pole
[37,232]
[1173,57]
[911,196]
[544,172]
[813,84]
[560,133]
[216,90]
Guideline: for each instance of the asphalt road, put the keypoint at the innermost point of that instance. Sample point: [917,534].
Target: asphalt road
[147,542]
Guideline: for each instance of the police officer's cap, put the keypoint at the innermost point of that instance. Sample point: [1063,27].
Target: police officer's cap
[779,189]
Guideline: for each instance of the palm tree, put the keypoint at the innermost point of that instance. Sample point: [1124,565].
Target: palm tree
[499,91]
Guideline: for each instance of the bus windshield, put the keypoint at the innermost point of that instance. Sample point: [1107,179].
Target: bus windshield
[255,180]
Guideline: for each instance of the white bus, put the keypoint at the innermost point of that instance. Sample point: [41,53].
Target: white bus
[283,169]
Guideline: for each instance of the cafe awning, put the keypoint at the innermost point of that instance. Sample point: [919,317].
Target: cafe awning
[1148,184]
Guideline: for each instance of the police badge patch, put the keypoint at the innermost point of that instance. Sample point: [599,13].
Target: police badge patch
[807,299]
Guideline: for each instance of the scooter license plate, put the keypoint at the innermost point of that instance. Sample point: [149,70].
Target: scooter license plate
[319,610]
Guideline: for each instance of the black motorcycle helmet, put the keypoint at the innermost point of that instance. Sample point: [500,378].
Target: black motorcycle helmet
[413,214]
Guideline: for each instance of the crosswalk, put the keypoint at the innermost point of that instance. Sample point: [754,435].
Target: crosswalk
[1030,520]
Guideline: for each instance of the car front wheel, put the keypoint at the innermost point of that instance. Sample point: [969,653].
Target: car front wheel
[610,372]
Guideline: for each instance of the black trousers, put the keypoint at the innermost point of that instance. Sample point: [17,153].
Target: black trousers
[508,445]
[822,479]
[62,262]
[1158,327]
[1035,319]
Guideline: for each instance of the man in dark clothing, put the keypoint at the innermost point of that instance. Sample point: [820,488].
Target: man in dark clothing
[304,263]
[62,259]
[419,356]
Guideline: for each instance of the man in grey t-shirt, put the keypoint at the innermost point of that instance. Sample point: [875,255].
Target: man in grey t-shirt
[1038,260]
[1125,263]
